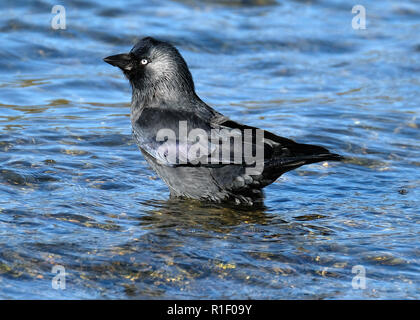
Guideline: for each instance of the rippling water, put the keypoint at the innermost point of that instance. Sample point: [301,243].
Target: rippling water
[76,192]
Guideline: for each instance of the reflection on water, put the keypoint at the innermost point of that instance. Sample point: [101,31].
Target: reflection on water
[76,192]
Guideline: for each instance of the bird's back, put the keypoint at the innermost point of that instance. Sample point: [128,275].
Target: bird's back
[226,179]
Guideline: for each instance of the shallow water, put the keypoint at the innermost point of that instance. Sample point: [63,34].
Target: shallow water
[76,192]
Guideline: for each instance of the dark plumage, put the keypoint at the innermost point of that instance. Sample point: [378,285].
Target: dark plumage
[163,96]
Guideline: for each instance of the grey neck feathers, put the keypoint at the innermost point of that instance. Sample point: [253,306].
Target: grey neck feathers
[162,92]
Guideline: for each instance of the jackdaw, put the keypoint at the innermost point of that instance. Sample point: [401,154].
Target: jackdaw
[198,152]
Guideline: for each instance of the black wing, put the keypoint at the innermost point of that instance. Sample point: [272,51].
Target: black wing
[183,138]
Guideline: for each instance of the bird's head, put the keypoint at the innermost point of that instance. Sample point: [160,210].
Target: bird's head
[154,67]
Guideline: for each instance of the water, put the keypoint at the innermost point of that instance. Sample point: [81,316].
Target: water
[76,192]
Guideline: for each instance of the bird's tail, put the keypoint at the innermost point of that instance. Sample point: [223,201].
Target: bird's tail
[302,154]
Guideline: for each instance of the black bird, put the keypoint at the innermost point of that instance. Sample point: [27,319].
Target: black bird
[224,160]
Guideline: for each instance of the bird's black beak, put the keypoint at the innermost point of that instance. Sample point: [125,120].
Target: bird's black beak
[122,61]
